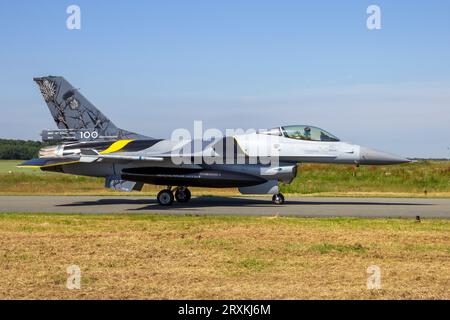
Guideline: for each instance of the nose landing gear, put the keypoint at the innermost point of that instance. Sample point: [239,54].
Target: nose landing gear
[278,198]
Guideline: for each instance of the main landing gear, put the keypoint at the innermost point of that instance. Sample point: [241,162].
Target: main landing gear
[278,198]
[167,196]
[182,194]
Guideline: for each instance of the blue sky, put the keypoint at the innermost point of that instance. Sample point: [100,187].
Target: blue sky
[154,66]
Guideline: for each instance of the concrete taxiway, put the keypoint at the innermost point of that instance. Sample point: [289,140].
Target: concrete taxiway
[246,206]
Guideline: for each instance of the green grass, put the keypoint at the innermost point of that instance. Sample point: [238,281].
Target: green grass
[10,167]
[424,178]
[325,248]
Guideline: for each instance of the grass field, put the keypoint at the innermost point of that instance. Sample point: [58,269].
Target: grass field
[420,179]
[183,257]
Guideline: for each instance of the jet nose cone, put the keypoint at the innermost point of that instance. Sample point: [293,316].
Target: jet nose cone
[370,156]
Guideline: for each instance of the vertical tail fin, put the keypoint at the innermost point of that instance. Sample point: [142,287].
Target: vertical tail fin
[71,110]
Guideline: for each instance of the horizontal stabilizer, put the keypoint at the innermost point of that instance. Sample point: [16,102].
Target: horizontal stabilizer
[48,162]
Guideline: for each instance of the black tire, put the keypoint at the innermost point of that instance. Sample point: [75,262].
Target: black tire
[182,195]
[278,199]
[165,197]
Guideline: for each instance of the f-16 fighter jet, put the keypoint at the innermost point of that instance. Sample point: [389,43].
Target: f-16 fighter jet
[87,143]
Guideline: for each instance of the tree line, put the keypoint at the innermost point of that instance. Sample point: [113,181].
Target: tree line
[19,149]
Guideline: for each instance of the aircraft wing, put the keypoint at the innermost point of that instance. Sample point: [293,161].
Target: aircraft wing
[83,158]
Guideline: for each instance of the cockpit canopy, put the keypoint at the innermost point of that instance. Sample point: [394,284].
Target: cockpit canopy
[302,132]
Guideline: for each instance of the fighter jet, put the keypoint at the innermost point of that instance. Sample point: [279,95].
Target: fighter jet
[87,143]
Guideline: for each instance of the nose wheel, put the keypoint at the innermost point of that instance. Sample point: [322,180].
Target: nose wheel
[278,198]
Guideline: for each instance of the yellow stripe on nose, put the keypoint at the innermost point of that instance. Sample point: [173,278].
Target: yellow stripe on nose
[116,146]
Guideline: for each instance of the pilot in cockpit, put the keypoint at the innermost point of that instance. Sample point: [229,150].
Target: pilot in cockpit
[307,135]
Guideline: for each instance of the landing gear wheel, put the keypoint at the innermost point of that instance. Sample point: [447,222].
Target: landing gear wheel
[165,197]
[182,195]
[278,198]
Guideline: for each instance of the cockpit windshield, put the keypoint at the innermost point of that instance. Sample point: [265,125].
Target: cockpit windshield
[303,132]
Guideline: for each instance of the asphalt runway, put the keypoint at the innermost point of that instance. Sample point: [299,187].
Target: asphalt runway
[245,206]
